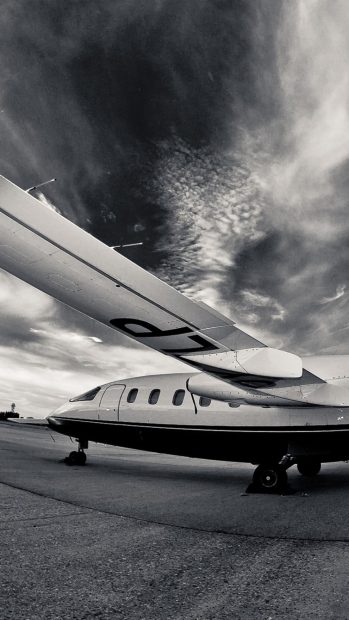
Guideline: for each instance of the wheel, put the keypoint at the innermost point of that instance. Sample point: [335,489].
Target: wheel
[309,468]
[82,458]
[270,478]
[76,458]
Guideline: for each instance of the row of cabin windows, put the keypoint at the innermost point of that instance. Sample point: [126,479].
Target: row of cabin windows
[177,399]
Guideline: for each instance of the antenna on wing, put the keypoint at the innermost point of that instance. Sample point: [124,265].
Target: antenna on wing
[126,245]
[30,189]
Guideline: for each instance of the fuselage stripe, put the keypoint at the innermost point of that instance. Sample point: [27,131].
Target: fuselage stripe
[230,429]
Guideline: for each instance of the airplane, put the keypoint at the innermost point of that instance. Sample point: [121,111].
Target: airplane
[245,401]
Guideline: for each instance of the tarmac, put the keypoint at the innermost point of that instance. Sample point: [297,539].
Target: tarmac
[144,536]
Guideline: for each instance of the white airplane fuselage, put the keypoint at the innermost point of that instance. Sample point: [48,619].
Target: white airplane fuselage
[164,416]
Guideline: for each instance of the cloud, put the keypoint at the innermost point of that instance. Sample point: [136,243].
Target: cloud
[55,364]
[340,291]
[253,298]
[214,133]
[47,357]
[38,382]
[213,209]
[299,162]
[46,201]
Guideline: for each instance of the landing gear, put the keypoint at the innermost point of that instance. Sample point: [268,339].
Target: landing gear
[271,477]
[309,468]
[77,457]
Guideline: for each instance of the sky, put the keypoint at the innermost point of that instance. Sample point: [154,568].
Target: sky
[215,132]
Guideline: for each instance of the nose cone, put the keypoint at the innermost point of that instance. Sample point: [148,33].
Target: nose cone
[55,420]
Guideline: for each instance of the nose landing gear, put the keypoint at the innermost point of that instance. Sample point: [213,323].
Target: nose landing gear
[78,457]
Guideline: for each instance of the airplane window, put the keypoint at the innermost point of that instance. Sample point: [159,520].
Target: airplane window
[153,397]
[86,396]
[178,397]
[132,395]
[204,401]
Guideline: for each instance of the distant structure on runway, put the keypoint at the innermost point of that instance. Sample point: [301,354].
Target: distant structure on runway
[5,415]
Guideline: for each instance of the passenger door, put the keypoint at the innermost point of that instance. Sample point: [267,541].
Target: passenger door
[109,405]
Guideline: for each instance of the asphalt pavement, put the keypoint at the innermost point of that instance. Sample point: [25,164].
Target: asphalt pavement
[143,536]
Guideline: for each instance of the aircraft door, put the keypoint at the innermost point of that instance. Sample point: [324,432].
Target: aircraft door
[110,401]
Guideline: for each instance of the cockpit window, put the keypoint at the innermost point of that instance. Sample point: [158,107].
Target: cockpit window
[132,395]
[204,401]
[86,396]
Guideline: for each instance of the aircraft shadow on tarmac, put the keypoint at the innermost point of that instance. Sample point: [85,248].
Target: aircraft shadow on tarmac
[149,467]
[178,491]
[238,476]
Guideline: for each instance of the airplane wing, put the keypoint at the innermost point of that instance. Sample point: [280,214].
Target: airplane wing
[48,251]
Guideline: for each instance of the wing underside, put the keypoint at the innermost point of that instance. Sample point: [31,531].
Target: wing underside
[48,251]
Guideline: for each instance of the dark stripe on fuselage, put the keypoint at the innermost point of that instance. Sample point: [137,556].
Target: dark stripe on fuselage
[236,429]
[246,444]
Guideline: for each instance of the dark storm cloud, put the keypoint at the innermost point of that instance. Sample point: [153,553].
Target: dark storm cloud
[293,281]
[89,89]
[310,288]
[91,93]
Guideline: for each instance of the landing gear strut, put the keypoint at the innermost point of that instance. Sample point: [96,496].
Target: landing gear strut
[271,477]
[77,457]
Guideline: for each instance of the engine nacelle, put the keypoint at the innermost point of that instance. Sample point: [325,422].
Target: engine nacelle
[205,385]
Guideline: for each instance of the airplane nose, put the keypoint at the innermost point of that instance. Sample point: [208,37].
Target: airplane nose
[54,422]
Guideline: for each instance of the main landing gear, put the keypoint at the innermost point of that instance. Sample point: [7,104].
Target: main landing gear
[309,467]
[271,477]
[77,457]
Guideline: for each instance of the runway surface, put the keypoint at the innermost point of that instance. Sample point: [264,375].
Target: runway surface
[140,535]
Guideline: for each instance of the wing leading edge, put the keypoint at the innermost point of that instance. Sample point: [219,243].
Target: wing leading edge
[48,251]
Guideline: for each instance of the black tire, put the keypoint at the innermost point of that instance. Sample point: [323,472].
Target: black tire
[270,478]
[76,458]
[309,468]
[82,458]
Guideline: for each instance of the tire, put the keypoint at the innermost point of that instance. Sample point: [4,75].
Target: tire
[76,458]
[82,458]
[309,468]
[270,478]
